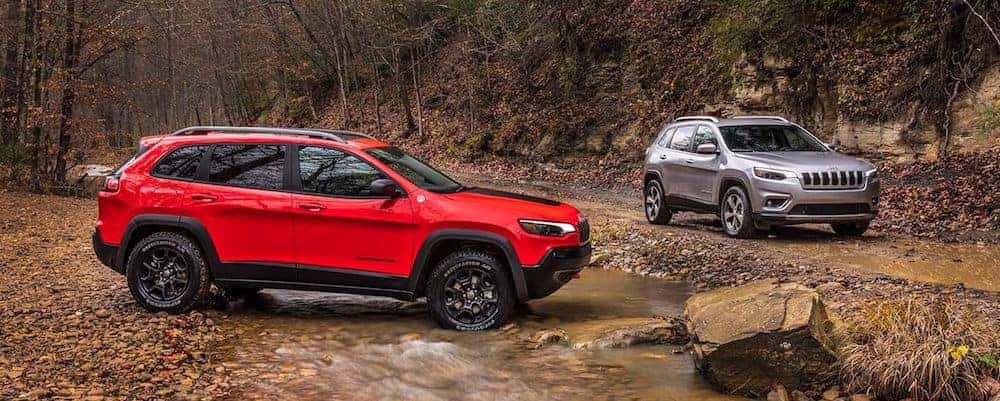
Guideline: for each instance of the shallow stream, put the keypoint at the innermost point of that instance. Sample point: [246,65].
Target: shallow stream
[310,346]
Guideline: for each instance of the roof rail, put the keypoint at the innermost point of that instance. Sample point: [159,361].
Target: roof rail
[779,118]
[342,132]
[313,133]
[697,118]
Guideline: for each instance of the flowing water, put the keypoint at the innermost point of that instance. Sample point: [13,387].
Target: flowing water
[309,346]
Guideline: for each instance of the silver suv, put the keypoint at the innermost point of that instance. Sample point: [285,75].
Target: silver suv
[756,172]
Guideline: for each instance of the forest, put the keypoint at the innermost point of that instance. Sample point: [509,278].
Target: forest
[472,78]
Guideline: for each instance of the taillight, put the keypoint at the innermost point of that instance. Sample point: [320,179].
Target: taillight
[111,184]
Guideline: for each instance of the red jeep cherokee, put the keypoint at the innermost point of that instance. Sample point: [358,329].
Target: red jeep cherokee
[337,211]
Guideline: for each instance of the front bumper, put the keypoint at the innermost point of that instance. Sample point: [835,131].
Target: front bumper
[106,253]
[556,269]
[812,206]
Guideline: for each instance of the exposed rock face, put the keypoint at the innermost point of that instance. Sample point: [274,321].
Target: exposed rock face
[750,337]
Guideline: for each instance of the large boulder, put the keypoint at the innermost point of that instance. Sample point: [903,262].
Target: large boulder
[90,177]
[747,339]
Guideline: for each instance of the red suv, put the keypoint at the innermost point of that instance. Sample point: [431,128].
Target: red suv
[308,209]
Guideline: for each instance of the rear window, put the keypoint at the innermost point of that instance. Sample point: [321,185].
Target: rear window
[253,166]
[181,163]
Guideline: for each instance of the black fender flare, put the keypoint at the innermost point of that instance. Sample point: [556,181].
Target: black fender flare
[188,224]
[420,264]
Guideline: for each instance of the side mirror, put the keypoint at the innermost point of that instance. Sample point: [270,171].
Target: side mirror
[831,146]
[385,187]
[707,149]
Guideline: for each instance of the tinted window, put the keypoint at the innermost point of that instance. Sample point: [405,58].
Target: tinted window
[181,163]
[416,171]
[682,138]
[702,136]
[255,166]
[664,137]
[333,172]
[769,138]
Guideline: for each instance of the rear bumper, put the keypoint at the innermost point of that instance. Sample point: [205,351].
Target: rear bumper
[556,269]
[106,253]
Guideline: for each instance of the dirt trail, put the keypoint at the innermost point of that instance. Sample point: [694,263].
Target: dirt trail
[694,248]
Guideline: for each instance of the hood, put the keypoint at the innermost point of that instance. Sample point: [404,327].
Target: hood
[524,206]
[806,161]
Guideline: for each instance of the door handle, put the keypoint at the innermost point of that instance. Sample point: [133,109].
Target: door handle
[203,198]
[312,207]
[663,157]
[689,161]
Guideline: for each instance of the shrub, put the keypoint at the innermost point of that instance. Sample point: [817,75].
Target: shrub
[927,352]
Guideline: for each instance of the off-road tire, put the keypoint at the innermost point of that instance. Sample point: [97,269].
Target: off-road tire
[198,280]
[654,203]
[737,213]
[851,229]
[465,260]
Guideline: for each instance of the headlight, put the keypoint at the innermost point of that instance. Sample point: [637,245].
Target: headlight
[771,174]
[547,228]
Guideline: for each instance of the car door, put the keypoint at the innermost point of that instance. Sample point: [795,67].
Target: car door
[703,168]
[241,201]
[342,229]
[672,163]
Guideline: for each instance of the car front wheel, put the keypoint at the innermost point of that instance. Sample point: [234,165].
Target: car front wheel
[167,272]
[468,290]
[737,216]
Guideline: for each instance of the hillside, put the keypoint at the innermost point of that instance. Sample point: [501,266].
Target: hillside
[597,78]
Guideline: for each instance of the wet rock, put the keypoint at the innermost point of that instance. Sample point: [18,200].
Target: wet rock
[621,333]
[747,338]
[548,336]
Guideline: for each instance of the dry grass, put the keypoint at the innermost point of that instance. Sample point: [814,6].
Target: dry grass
[936,352]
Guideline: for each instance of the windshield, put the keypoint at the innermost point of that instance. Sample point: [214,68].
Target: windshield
[769,138]
[418,172]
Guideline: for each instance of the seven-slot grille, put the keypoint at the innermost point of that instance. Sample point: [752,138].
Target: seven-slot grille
[833,180]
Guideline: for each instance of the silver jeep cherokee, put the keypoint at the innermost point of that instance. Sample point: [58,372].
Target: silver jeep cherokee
[756,172]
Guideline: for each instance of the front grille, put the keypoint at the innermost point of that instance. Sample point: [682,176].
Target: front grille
[584,231]
[833,180]
[831,209]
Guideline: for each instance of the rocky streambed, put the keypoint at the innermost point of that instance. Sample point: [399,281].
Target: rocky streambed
[606,336]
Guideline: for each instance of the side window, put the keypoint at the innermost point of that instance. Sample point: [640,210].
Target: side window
[704,135]
[664,138]
[181,163]
[255,166]
[333,172]
[682,138]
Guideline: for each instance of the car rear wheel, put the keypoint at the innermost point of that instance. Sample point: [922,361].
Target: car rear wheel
[166,272]
[852,229]
[468,290]
[654,203]
[736,213]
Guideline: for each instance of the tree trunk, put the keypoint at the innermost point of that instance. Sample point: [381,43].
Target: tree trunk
[378,98]
[404,96]
[415,71]
[11,76]
[70,58]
